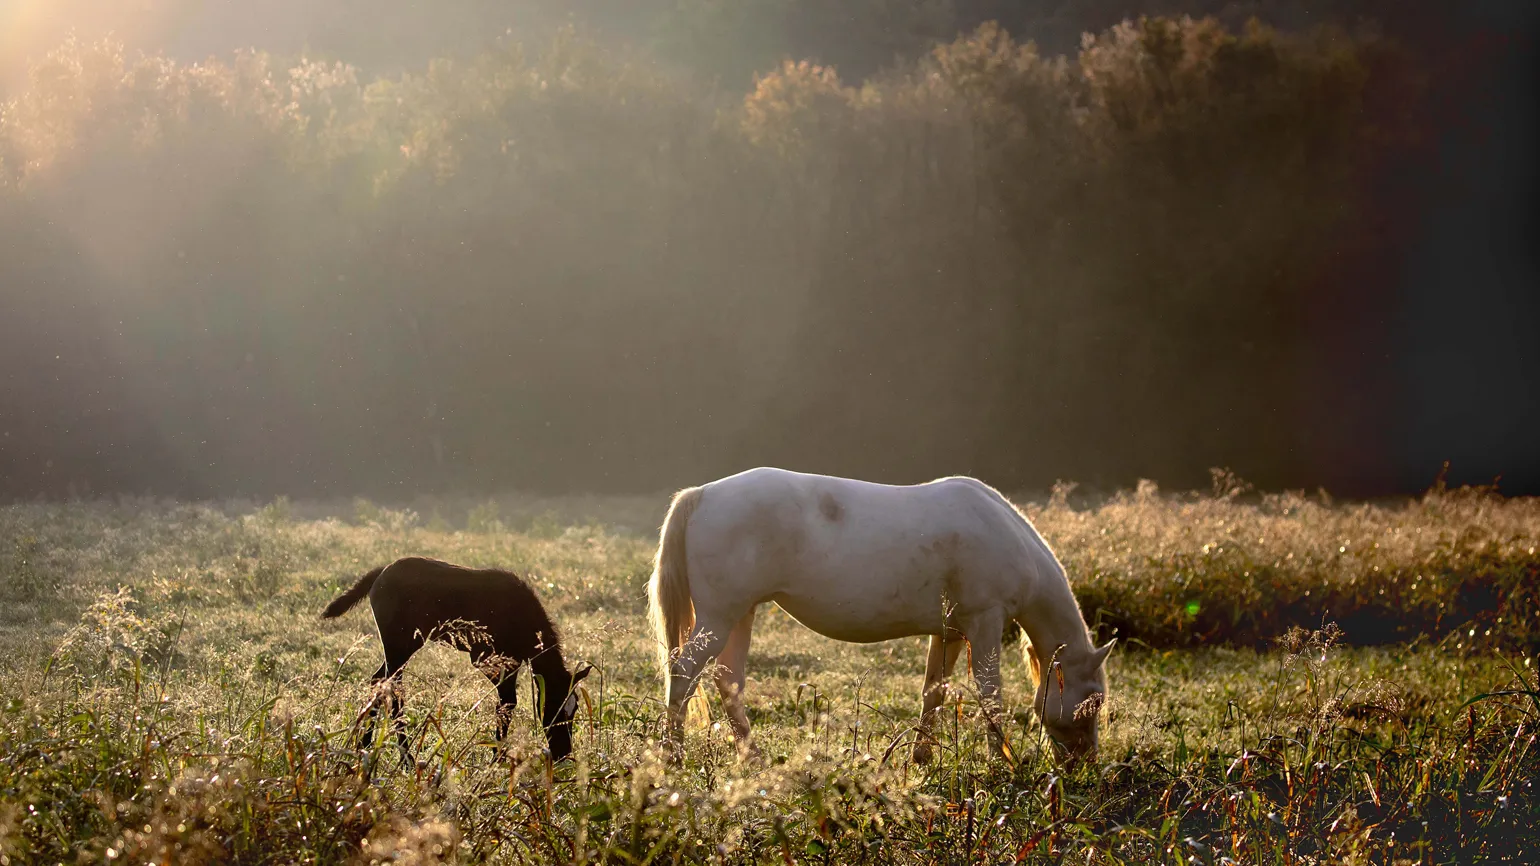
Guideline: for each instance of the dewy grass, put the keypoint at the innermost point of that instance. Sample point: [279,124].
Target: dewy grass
[171,696]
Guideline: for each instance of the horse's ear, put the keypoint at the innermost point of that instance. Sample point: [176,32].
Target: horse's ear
[584,671]
[1099,655]
[1037,664]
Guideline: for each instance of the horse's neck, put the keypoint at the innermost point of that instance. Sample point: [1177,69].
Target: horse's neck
[1053,617]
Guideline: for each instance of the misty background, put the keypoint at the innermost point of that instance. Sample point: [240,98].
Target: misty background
[326,248]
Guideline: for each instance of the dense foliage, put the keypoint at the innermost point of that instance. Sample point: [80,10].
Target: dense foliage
[558,268]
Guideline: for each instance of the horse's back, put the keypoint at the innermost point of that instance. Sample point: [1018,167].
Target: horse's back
[418,577]
[768,500]
[852,559]
[419,594]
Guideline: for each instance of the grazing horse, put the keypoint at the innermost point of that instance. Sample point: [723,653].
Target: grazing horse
[492,614]
[864,562]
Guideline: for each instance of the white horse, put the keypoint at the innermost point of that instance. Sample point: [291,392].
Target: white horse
[865,562]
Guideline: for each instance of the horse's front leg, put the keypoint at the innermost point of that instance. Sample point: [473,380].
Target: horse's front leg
[938,668]
[507,702]
[984,632]
[503,672]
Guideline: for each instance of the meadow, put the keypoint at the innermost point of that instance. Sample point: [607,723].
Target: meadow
[1297,681]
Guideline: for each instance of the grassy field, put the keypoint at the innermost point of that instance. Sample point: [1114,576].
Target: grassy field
[1297,682]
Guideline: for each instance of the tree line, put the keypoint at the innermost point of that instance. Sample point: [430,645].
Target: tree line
[559,267]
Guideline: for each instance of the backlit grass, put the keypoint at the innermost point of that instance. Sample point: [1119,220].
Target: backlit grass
[171,696]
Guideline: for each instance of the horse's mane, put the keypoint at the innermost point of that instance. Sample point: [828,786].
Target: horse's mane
[999,497]
[541,620]
[1032,667]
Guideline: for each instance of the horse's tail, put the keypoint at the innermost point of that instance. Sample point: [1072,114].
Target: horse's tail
[672,609]
[673,612]
[344,603]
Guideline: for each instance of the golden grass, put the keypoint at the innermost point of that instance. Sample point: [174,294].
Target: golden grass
[171,696]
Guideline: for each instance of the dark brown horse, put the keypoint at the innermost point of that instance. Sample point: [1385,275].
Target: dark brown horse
[492,614]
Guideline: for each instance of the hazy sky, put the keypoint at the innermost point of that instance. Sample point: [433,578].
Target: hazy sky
[399,33]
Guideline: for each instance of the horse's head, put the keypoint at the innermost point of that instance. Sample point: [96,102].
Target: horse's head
[556,700]
[1071,689]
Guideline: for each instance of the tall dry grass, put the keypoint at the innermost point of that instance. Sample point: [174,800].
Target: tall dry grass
[171,697]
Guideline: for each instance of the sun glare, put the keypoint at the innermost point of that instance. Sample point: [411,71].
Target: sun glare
[29,29]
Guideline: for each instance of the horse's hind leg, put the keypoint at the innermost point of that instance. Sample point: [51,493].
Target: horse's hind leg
[706,642]
[398,649]
[365,734]
[938,668]
[731,673]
